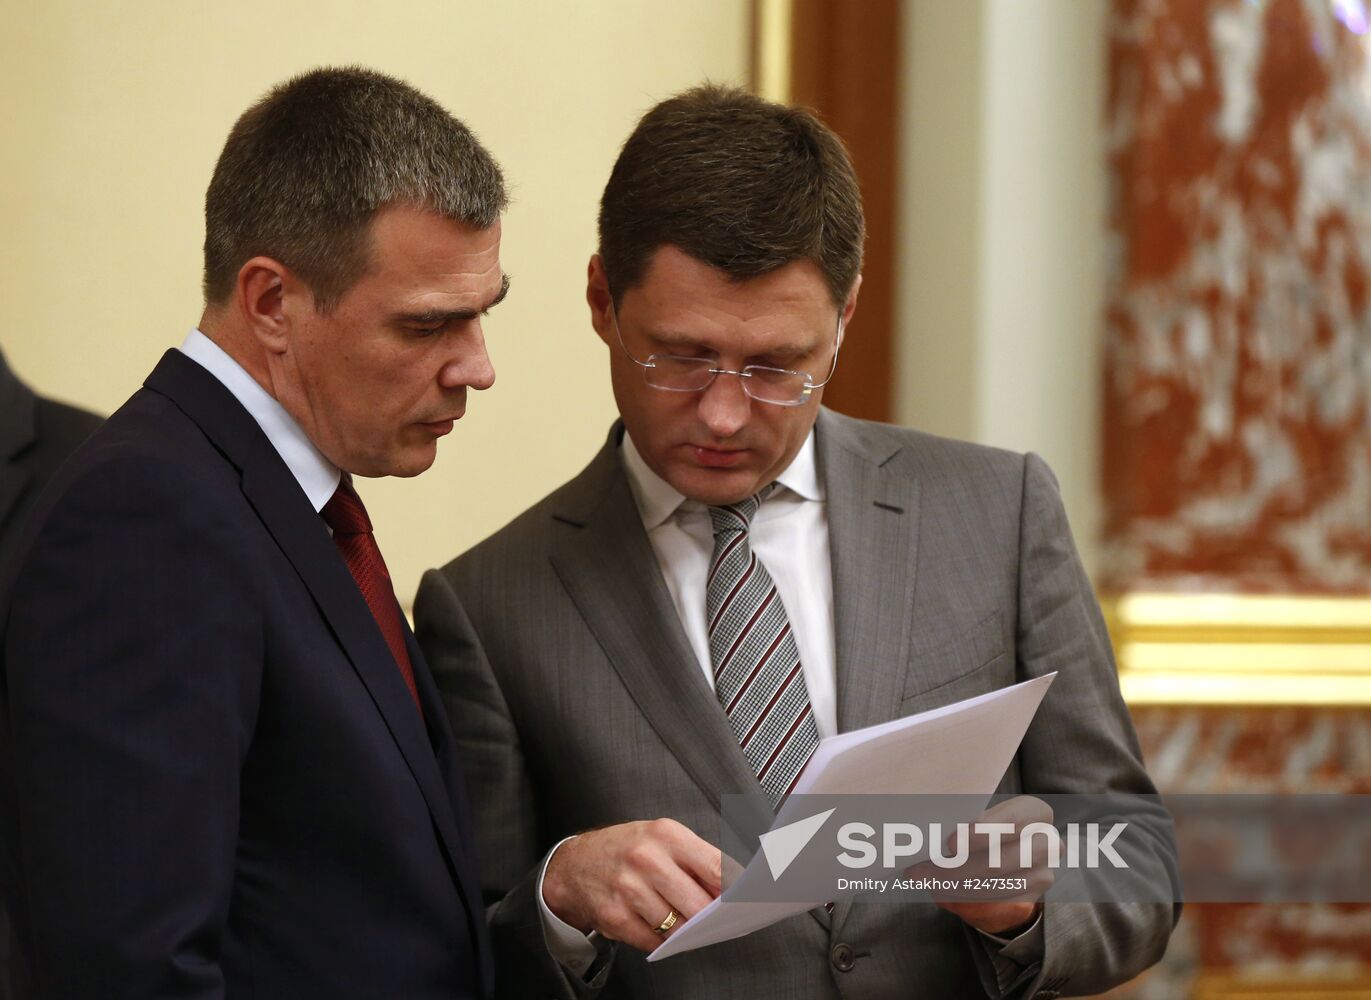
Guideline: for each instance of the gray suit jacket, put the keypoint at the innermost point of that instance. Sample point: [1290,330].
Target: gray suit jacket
[578,703]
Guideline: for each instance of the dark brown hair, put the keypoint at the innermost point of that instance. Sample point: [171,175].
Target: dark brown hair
[307,167]
[739,183]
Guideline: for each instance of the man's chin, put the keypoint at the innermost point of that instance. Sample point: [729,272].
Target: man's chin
[716,487]
[416,465]
[402,465]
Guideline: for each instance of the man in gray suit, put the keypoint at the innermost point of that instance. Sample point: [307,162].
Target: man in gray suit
[739,573]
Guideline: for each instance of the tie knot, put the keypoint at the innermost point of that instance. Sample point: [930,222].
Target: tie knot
[732,518]
[344,512]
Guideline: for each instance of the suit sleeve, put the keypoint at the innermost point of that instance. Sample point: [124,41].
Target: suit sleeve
[1081,742]
[132,658]
[508,828]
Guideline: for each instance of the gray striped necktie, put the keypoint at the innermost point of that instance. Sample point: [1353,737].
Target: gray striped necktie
[757,672]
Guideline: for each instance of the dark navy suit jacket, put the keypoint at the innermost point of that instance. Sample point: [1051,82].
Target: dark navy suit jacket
[36,436]
[214,780]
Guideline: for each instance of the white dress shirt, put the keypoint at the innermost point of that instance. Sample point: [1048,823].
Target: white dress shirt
[789,536]
[317,476]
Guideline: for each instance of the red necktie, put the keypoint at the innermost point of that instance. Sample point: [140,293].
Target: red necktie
[347,517]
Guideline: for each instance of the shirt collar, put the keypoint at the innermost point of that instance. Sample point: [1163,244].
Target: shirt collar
[658,500]
[317,476]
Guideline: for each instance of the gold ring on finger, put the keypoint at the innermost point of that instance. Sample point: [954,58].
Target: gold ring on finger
[667,924]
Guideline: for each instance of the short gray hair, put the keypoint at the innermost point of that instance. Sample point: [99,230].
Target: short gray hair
[307,167]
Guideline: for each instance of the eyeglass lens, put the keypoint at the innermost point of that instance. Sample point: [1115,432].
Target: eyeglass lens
[770,385]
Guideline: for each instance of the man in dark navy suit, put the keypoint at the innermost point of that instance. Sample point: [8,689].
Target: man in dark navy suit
[36,436]
[226,770]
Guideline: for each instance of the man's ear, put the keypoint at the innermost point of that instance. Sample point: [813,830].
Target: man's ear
[850,306]
[598,298]
[267,294]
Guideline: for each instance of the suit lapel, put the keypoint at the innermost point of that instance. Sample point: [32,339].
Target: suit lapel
[300,533]
[439,733]
[444,751]
[607,566]
[17,432]
[278,500]
[611,573]
[873,516]
[873,519]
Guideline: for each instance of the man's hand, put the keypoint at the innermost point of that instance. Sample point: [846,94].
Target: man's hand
[1015,910]
[624,880]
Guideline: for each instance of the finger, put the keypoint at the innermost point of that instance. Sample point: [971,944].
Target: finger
[994,918]
[620,922]
[663,879]
[703,862]
[1020,810]
[652,910]
[658,863]
[730,869]
[930,870]
[1040,856]
[691,853]
[683,892]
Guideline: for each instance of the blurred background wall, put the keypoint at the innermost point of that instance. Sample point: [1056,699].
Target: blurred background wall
[1002,233]
[1130,235]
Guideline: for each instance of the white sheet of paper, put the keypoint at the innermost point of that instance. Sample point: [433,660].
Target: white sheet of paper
[959,749]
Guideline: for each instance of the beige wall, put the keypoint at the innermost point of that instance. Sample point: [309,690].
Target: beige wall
[115,113]
[1002,233]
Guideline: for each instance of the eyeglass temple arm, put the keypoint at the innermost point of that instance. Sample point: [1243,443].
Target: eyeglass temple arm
[833,368]
[614,318]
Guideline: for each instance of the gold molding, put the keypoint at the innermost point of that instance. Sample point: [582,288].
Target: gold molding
[771,49]
[1242,649]
[1232,986]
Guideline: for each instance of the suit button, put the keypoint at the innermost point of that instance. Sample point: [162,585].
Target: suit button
[843,958]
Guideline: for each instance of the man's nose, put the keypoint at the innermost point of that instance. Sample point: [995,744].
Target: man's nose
[469,365]
[724,406]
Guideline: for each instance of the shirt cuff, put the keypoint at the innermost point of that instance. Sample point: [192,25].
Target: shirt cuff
[1011,956]
[573,950]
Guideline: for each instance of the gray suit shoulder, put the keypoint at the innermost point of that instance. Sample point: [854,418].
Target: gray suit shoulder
[939,463]
[927,457]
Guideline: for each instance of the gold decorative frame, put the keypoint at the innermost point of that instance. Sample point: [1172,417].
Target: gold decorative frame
[1241,649]
[771,25]
[1228,986]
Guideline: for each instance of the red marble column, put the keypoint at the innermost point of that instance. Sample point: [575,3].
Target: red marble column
[1237,445]
[1237,438]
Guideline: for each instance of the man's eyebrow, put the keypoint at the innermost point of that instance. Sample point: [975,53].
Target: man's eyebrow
[674,338]
[432,317]
[500,295]
[677,340]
